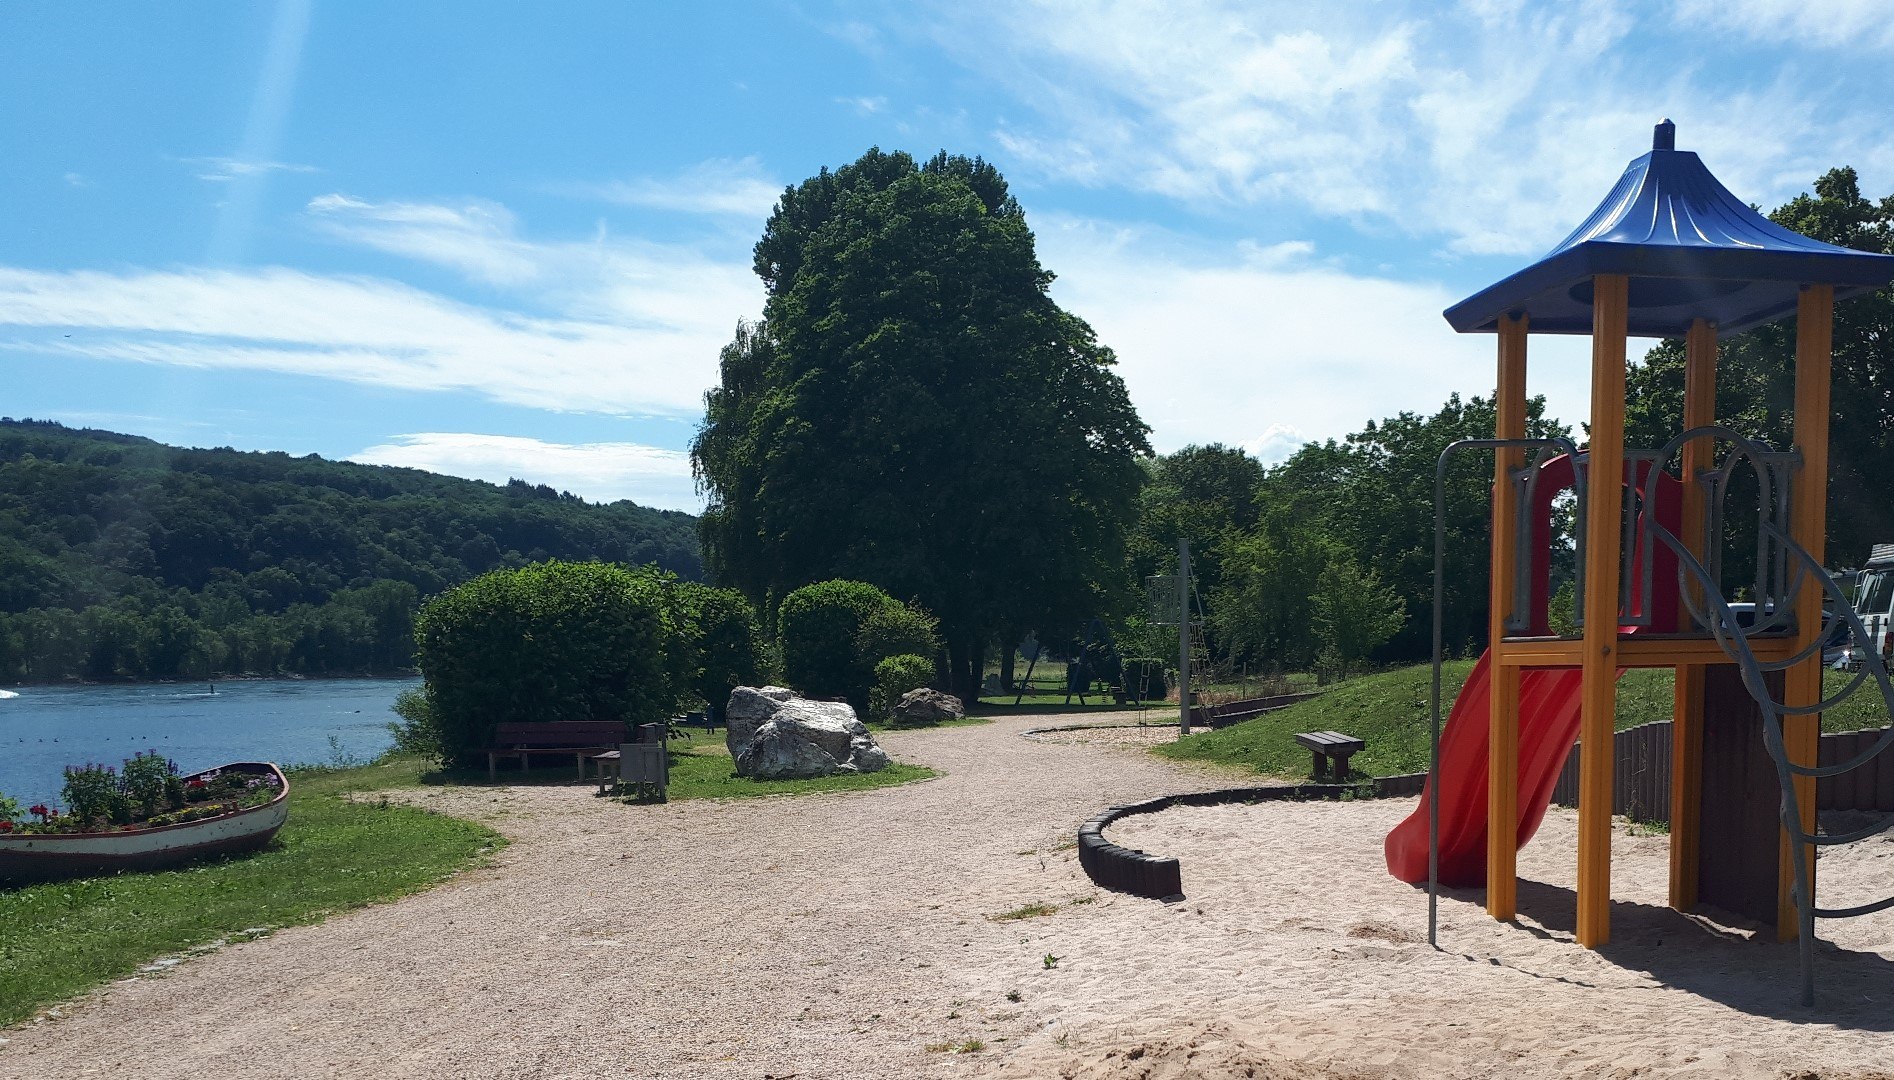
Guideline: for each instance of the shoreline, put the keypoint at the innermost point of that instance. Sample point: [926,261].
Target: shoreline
[248,676]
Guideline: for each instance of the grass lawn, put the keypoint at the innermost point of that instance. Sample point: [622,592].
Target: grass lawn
[700,769]
[58,940]
[1389,711]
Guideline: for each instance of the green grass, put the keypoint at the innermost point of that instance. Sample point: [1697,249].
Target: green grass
[700,769]
[1389,711]
[58,940]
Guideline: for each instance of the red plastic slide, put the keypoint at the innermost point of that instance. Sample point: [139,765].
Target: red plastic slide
[1548,720]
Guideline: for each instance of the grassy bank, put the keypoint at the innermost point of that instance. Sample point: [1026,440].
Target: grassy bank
[1390,712]
[61,939]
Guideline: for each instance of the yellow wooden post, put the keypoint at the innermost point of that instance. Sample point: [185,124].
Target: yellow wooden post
[1502,785]
[1802,684]
[1686,759]
[1599,680]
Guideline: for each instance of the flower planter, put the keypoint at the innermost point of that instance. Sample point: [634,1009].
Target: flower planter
[27,856]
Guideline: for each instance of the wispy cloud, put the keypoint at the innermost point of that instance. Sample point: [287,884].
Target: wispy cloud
[721,187]
[864,106]
[223,170]
[77,180]
[476,238]
[363,330]
[1217,344]
[1490,125]
[1854,24]
[602,471]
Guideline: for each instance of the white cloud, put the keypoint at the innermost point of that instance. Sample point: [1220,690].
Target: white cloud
[476,238]
[364,330]
[602,472]
[1217,346]
[865,106]
[721,187]
[1494,126]
[223,170]
[1853,24]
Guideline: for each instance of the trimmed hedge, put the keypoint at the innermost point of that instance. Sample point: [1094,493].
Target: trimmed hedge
[548,642]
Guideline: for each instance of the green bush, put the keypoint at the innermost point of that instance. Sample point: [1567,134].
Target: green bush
[548,642]
[898,630]
[722,629]
[896,676]
[818,625]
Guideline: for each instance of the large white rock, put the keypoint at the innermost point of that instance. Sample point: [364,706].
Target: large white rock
[775,735]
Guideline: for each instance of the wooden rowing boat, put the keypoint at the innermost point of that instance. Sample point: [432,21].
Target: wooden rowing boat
[30,857]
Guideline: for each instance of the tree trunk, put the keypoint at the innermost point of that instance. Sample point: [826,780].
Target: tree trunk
[964,662]
[1008,655]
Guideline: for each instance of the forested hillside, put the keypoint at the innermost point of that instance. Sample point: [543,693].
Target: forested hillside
[124,557]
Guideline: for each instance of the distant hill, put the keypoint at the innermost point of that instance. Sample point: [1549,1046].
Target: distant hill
[121,557]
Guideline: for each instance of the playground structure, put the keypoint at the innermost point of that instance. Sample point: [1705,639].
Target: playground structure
[1670,252]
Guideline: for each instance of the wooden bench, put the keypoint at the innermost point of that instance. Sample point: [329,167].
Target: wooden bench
[580,738]
[1330,746]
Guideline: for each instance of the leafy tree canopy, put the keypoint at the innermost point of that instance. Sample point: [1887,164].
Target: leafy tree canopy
[916,412]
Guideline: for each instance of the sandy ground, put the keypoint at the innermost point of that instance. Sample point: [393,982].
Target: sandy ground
[853,936]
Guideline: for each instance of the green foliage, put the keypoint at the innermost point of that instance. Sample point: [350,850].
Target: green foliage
[151,782]
[819,626]
[1354,614]
[124,558]
[851,434]
[93,796]
[1208,495]
[897,630]
[548,642]
[721,628]
[896,676]
[1145,678]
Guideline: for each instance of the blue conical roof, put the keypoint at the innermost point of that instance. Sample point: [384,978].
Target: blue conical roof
[1691,249]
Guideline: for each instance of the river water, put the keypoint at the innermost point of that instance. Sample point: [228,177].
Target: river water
[288,721]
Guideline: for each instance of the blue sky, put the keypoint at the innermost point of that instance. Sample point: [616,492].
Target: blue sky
[508,239]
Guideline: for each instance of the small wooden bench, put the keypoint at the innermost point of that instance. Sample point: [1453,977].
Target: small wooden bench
[580,738]
[1330,746]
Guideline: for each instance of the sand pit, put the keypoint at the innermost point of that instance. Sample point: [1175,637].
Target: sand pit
[905,932]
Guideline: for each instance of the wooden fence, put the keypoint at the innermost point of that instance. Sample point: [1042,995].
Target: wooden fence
[1641,775]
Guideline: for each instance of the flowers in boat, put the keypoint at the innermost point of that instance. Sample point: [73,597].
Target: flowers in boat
[147,793]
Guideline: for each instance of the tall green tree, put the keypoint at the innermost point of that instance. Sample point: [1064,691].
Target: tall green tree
[916,412]
[1373,495]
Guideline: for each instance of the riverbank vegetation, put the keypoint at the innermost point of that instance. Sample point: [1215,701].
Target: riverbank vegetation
[121,557]
[61,939]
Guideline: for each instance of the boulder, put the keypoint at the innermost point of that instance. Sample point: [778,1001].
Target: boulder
[927,706]
[774,734]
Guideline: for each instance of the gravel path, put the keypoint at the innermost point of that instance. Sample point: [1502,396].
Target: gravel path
[816,937]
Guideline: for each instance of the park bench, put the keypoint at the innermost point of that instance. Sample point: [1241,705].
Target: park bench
[580,738]
[1330,746]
